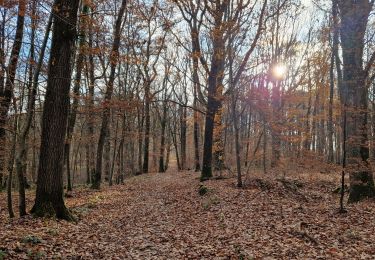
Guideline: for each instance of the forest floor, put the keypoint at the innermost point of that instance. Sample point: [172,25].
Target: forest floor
[163,216]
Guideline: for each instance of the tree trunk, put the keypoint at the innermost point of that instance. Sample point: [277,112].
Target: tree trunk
[195,46]
[214,91]
[276,124]
[6,94]
[236,138]
[76,92]
[248,132]
[21,156]
[107,155]
[163,124]
[140,138]
[90,104]
[112,166]
[330,109]
[335,50]
[218,145]
[264,145]
[49,199]
[354,18]
[154,146]
[106,113]
[22,200]
[146,146]
[183,130]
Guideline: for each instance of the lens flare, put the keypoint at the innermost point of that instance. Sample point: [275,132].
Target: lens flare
[279,71]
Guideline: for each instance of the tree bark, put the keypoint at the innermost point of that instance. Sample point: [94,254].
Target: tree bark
[214,91]
[163,124]
[49,199]
[183,132]
[330,109]
[90,104]
[354,18]
[146,146]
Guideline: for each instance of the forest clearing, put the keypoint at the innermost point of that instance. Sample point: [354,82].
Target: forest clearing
[163,216]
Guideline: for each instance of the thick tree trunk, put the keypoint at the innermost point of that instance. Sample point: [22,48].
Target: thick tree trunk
[219,132]
[2,79]
[208,137]
[354,19]
[2,49]
[214,92]
[49,199]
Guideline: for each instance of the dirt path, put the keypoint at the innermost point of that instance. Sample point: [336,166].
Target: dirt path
[162,216]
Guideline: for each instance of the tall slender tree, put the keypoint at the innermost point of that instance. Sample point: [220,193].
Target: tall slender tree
[82,49]
[114,58]
[6,92]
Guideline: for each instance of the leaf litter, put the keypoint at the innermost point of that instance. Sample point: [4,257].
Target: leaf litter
[163,216]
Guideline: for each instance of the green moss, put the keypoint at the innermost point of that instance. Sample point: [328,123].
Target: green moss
[202,190]
[31,239]
[3,254]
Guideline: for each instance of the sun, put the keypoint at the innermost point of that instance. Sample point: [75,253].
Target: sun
[279,71]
